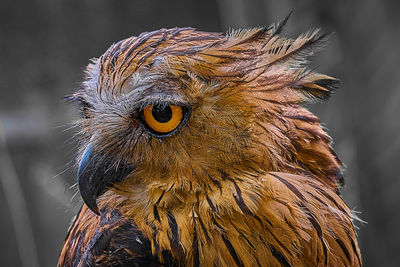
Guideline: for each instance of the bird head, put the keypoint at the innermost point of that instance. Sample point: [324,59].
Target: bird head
[192,109]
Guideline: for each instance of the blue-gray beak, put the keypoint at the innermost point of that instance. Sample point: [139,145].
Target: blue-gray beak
[95,174]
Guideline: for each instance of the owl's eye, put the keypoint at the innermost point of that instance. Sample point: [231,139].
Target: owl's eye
[162,119]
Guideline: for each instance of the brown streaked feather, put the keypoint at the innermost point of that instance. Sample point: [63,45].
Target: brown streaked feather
[109,240]
[251,179]
[301,226]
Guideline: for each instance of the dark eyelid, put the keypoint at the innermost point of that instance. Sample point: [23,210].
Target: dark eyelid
[162,102]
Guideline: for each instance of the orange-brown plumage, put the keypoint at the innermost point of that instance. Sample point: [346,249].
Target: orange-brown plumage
[249,178]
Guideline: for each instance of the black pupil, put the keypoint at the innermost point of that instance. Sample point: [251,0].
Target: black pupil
[162,114]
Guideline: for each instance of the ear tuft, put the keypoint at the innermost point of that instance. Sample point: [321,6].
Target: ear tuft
[320,88]
[275,66]
[78,100]
[279,26]
[69,98]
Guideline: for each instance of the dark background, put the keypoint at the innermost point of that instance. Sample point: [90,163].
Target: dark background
[45,45]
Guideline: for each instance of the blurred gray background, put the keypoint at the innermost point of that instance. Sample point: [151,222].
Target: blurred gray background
[45,45]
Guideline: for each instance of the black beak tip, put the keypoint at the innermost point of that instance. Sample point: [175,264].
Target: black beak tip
[90,201]
[96,175]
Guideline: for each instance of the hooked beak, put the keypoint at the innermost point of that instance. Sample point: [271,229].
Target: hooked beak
[95,174]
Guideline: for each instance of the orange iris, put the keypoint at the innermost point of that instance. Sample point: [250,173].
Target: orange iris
[163,119]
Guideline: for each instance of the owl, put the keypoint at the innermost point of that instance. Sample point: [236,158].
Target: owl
[197,150]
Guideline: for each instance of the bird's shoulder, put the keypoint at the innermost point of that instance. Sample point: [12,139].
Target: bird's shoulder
[107,240]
